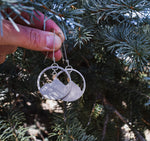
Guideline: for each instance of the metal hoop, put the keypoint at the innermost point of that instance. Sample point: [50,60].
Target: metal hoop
[84,82]
[69,67]
[70,96]
[48,68]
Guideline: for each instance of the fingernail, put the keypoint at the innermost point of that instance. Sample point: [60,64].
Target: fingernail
[61,35]
[49,41]
[52,43]
[47,49]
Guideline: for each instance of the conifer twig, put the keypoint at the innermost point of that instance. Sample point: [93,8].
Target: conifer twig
[105,126]
[60,15]
[93,109]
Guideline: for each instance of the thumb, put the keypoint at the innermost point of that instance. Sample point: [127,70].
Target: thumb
[29,38]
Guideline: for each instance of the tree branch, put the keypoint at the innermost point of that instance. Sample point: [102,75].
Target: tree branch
[105,126]
[53,12]
[123,119]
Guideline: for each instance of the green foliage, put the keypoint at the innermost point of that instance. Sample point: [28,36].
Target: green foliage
[16,6]
[117,8]
[69,128]
[130,45]
[98,110]
[82,36]
[11,127]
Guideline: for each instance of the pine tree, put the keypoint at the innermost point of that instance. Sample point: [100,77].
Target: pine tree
[108,42]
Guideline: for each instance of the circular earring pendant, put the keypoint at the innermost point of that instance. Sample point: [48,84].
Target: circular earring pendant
[76,91]
[54,88]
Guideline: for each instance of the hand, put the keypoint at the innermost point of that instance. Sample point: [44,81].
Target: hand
[33,37]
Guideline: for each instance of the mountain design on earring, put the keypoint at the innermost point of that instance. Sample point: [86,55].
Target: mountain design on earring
[74,94]
[55,90]
[75,91]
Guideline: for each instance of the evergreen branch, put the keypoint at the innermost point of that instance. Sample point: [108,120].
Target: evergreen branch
[82,36]
[15,6]
[105,126]
[51,11]
[5,131]
[65,13]
[70,128]
[93,109]
[147,123]
[116,8]
[12,129]
[1,23]
[126,42]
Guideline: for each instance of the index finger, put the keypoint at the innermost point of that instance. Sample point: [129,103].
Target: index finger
[38,22]
[49,26]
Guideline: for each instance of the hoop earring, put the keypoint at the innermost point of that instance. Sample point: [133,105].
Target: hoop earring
[55,89]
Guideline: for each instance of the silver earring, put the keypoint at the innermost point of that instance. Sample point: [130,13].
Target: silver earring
[54,89]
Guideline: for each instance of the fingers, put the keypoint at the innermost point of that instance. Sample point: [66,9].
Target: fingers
[38,22]
[50,24]
[34,39]
[29,38]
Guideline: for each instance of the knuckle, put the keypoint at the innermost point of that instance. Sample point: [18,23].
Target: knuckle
[34,38]
[10,49]
[14,49]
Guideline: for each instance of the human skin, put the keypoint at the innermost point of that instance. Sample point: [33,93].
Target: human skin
[31,36]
